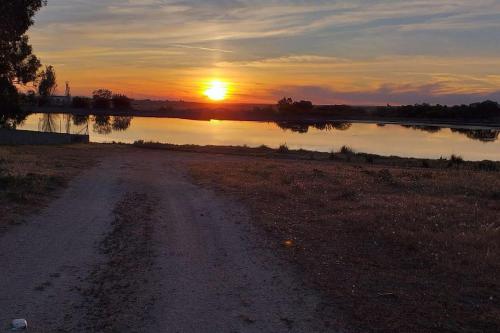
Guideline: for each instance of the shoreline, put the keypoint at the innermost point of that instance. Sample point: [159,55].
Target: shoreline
[352,157]
[247,116]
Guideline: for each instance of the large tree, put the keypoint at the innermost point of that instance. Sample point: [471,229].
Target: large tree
[18,65]
[48,82]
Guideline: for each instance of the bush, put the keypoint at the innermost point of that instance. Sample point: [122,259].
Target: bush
[102,98]
[121,102]
[283,148]
[455,160]
[287,105]
[81,102]
[346,150]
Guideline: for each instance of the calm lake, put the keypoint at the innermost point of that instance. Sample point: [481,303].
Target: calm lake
[406,141]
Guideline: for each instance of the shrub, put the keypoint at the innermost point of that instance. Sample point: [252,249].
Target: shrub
[102,98]
[121,102]
[81,102]
[286,105]
[283,148]
[346,150]
[455,160]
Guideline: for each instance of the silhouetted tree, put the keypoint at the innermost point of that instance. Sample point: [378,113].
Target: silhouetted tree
[287,105]
[48,82]
[47,85]
[10,114]
[102,98]
[121,102]
[303,106]
[486,109]
[17,63]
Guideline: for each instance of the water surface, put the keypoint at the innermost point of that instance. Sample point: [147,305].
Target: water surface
[424,141]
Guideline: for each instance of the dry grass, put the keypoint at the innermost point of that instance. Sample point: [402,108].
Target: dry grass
[31,175]
[396,249]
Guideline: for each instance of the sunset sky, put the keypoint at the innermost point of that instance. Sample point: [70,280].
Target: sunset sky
[358,52]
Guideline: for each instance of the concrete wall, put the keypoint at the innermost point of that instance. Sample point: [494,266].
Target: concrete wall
[16,137]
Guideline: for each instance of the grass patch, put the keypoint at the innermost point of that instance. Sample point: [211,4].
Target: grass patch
[396,249]
[30,176]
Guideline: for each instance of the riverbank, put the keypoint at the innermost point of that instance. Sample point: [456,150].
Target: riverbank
[241,113]
[392,244]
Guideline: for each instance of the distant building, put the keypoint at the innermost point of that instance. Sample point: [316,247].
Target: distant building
[62,100]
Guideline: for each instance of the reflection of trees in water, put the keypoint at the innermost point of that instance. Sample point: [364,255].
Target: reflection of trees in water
[484,135]
[79,120]
[430,129]
[106,124]
[300,127]
[48,123]
[63,123]
[330,126]
[102,124]
[121,123]
[12,120]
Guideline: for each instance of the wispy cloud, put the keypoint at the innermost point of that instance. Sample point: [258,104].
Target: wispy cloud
[386,94]
[343,45]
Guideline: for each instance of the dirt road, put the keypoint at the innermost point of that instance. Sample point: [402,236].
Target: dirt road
[133,245]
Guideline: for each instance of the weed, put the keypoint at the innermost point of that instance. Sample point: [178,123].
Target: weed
[346,150]
[283,149]
[455,160]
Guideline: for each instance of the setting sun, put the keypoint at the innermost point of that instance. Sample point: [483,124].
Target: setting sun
[217,90]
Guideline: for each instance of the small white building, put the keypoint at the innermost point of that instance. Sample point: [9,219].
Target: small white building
[60,100]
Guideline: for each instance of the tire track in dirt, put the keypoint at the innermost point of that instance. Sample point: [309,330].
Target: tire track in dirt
[117,297]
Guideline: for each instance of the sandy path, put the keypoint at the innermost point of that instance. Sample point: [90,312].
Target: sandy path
[193,261]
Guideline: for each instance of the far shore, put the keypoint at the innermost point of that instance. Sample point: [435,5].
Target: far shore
[248,115]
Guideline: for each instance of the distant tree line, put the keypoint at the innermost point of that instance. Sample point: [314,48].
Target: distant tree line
[297,109]
[288,105]
[483,110]
[103,99]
